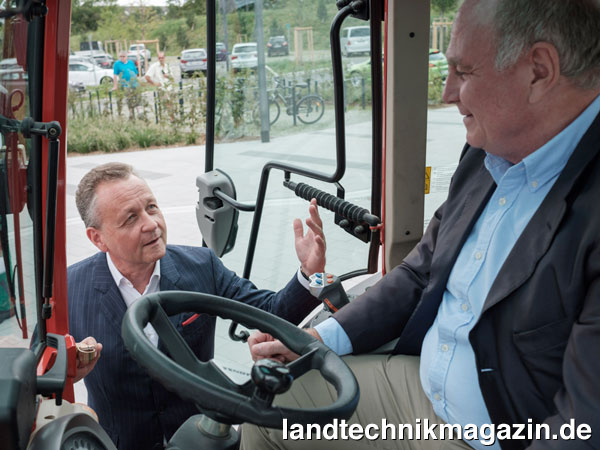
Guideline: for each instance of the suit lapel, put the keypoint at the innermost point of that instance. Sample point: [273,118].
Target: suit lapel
[458,220]
[169,274]
[539,233]
[459,216]
[111,302]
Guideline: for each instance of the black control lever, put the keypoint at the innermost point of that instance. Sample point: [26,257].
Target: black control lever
[271,378]
[328,288]
[354,219]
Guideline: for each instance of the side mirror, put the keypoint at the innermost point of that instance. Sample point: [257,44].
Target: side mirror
[217,220]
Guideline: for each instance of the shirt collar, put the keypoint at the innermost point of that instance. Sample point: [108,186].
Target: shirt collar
[550,159]
[119,278]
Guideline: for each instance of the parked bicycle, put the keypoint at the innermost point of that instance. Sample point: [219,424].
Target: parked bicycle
[308,109]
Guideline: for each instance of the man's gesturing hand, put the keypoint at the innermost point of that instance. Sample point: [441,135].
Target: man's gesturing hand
[310,247]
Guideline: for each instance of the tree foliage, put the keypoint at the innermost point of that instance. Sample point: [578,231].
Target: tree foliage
[444,6]
[322,11]
[85,16]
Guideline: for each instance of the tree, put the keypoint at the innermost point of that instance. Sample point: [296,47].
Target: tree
[322,11]
[275,29]
[182,37]
[85,16]
[444,6]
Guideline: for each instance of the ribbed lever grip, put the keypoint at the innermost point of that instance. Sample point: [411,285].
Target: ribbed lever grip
[339,206]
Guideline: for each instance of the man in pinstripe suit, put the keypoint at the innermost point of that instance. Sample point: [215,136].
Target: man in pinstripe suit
[123,220]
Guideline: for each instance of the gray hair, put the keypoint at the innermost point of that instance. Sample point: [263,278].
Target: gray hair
[85,197]
[571,26]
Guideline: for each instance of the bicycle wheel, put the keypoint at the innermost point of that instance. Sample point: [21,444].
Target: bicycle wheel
[310,109]
[274,111]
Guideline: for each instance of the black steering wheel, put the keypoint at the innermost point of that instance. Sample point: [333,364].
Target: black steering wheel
[205,384]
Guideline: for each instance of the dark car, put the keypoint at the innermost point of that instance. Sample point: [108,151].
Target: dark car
[221,52]
[277,45]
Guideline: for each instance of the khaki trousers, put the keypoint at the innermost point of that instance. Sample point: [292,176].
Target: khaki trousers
[390,389]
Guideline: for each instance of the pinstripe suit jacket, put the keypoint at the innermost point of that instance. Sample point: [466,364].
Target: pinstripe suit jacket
[134,410]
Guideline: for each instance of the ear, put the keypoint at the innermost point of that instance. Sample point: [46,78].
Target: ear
[95,236]
[545,69]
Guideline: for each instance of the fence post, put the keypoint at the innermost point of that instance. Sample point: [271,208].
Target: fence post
[181,98]
[294,103]
[316,87]
[99,106]
[155,106]
[110,102]
[91,104]
[362,85]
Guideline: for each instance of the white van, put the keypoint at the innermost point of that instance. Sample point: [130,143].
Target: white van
[355,40]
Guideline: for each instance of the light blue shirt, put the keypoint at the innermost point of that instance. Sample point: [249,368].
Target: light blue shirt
[448,369]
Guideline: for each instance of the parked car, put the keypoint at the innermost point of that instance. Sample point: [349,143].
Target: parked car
[277,45]
[244,56]
[221,52]
[9,63]
[138,59]
[103,60]
[438,64]
[355,40]
[88,74]
[356,72]
[78,57]
[191,61]
[141,48]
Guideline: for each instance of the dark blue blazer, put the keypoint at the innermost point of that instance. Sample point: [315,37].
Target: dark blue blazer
[537,341]
[136,411]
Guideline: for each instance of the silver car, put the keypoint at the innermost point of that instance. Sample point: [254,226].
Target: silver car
[244,56]
[355,40]
[191,61]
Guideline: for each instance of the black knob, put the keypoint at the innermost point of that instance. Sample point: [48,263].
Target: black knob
[271,378]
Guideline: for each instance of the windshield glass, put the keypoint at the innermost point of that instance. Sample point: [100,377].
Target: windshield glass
[194,55]
[301,131]
[17,282]
[360,32]
[244,49]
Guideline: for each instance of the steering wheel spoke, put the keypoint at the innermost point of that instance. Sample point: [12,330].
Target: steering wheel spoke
[303,364]
[173,342]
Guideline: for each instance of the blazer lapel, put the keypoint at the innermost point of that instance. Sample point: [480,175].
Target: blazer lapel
[110,299]
[459,216]
[169,274]
[538,234]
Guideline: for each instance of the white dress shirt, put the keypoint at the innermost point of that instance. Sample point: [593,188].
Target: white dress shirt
[130,294]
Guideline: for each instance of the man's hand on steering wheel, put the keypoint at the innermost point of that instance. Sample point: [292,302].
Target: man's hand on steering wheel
[263,345]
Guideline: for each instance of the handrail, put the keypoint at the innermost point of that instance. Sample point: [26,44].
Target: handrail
[338,91]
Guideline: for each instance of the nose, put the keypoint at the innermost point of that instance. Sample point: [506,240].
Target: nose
[149,223]
[451,89]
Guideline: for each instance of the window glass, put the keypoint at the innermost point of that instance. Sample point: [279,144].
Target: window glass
[360,32]
[300,127]
[17,283]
